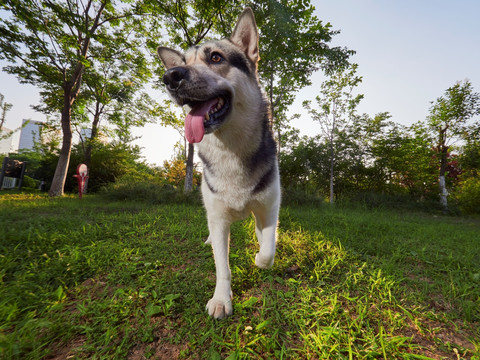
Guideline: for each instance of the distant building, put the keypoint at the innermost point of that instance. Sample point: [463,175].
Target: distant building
[30,134]
[5,143]
[85,134]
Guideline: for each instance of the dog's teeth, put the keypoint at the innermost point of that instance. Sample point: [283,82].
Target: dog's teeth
[207,116]
[220,104]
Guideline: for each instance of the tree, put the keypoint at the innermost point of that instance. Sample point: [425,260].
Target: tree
[448,121]
[355,161]
[187,24]
[305,166]
[468,192]
[337,106]
[49,45]
[293,45]
[4,108]
[470,156]
[111,84]
[404,159]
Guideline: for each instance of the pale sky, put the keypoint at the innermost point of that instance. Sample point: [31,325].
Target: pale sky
[409,52]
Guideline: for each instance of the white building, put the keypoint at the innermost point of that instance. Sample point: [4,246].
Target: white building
[30,134]
[85,134]
[5,142]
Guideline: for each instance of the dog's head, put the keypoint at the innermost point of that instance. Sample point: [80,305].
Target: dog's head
[207,78]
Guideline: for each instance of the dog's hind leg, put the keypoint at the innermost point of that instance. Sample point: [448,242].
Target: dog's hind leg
[266,229]
[220,305]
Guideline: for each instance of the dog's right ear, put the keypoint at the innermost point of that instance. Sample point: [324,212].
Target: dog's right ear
[170,57]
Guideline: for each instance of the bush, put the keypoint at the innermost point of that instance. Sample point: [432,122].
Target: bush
[29,183]
[297,197]
[468,197]
[375,200]
[130,188]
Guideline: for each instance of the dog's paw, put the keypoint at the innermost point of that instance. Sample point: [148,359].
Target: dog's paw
[219,308]
[264,262]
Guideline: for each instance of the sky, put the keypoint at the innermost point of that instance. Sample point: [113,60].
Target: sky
[408,53]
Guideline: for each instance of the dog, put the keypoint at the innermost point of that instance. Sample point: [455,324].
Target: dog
[229,123]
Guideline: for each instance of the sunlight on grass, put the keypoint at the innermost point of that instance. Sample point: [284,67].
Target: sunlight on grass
[105,279]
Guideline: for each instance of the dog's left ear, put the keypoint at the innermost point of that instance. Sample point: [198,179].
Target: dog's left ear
[170,57]
[245,34]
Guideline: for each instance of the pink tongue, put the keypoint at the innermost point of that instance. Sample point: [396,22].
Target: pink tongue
[194,129]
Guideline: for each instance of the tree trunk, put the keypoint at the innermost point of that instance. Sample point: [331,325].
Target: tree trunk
[272,114]
[93,137]
[443,193]
[443,151]
[271,102]
[58,182]
[441,179]
[332,153]
[189,170]
[88,161]
[332,166]
[71,89]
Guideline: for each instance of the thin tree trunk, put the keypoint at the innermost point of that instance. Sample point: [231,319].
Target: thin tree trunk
[58,182]
[88,161]
[271,102]
[71,89]
[443,193]
[443,151]
[189,170]
[4,107]
[332,166]
[91,141]
[272,110]
[441,181]
[332,154]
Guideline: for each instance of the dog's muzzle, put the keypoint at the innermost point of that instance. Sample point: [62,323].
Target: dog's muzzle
[209,105]
[174,77]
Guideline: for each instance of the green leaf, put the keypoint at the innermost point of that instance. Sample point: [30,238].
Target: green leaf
[250,302]
[262,325]
[60,294]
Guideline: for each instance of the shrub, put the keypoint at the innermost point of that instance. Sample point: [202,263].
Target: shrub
[156,191]
[298,197]
[468,196]
[29,183]
[398,201]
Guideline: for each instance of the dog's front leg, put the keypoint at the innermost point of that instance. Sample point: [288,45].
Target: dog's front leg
[266,219]
[220,305]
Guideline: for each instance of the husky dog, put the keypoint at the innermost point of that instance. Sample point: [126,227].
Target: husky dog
[229,121]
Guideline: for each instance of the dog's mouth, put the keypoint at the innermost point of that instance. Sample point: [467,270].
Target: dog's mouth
[206,116]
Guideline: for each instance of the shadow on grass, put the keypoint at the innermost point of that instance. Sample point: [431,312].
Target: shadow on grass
[101,279]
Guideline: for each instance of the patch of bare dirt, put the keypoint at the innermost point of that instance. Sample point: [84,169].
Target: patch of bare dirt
[435,334]
[162,348]
[65,351]
[94,288]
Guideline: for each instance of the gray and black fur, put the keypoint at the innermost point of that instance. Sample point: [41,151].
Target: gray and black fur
[238,151]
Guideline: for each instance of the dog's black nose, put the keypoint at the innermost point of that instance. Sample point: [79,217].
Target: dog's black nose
[173,77]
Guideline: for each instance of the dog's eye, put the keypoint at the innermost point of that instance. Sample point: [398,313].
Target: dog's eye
[216,57]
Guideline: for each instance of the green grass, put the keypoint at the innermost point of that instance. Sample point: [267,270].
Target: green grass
[103,279]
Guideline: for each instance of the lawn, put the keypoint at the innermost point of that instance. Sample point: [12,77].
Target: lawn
[103,279]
